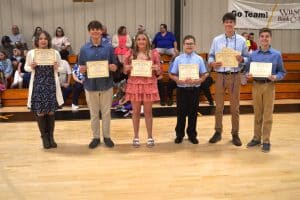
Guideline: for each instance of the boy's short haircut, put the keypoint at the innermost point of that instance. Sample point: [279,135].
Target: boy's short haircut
[187,37]
[95,25]
[229,16]
[265,30]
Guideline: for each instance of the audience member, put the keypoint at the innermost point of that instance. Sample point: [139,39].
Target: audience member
[65,74]
[60,42]
[106,38]
[17,38]
[6,69]
[77,86]
[122,43]
[37,31]
[253,45]
[7,46]
[165,41]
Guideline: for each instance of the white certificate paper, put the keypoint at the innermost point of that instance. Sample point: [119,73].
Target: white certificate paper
[142,68]
[188,71]
[44,56]
[260,69]
[97,69]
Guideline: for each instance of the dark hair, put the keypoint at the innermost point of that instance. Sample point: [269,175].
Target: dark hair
[251,33]
[94,24]
[165,26]
[35,31]
[121,29]
[265,30]
[187,37]
[5,39]
[5,53]
[48,37]
[229,16]
[62,31]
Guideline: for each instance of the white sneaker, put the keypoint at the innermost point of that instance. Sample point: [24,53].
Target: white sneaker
[75,107]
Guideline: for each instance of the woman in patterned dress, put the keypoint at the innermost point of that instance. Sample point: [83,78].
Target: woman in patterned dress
[44,96]
[142,90]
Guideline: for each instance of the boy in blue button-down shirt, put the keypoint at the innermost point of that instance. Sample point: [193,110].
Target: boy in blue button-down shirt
[188,91]
[263,90]
[98,91]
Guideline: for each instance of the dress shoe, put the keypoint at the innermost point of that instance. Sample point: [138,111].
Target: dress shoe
[178,140]
[162,103]
[194,140]
[170,102]
[253,143]
[236,140]
[215,138]
[94,143]
[266,147]
[108,142]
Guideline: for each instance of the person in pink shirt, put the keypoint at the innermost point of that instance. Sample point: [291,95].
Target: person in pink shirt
[142,90]
[122,43]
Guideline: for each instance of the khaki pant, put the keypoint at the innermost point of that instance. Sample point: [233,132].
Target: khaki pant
[231,82]
[100,101]
[263,95]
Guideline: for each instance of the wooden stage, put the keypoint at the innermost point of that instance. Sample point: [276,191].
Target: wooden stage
[167,171]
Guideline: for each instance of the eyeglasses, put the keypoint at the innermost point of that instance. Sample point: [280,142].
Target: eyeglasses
[190,44]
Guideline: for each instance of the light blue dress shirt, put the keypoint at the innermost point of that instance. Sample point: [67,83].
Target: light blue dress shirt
[192,58]
[236,42]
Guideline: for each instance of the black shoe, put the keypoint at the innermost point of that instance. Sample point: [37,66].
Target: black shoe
[215,138]
[170,103]
[94,143]
[194,140]
[108,142]
[162,103]
[178,140]
[236,140]
[253,143]
[266,147]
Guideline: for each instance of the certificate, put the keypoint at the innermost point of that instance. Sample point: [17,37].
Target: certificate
[260,69]
[188,71]
[44,56]
[228,57]
[97,69]
[141,68]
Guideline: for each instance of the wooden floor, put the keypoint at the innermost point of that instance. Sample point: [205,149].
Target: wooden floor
[167,171]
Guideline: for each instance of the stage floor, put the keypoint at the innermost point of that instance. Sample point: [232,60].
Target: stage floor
[167,171]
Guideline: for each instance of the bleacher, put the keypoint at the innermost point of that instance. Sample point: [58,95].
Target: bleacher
[289,88]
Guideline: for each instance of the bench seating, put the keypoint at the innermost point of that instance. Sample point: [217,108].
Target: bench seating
[289,88]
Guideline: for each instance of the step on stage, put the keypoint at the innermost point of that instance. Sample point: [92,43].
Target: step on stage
[13,114]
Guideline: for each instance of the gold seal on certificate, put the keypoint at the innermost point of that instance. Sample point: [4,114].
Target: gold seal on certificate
[141,68]
[97,69]
[228,57]
[260,69]
[188,71]
[44,56]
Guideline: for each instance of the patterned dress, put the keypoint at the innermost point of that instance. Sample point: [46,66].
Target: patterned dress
[142,88]
[43,99]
